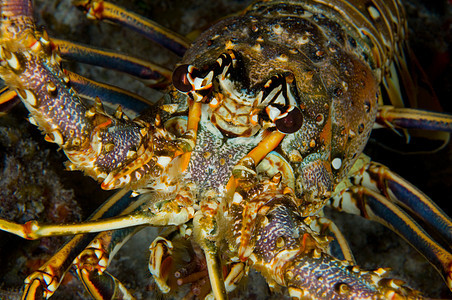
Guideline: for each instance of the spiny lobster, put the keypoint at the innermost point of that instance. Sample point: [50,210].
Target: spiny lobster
[277,119]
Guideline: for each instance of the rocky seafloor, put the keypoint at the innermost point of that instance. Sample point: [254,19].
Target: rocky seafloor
[34,185]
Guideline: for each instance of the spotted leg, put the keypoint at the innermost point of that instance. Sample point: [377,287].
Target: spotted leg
[269,230]
[378,194]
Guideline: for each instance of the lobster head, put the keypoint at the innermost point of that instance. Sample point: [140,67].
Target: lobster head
[298,81]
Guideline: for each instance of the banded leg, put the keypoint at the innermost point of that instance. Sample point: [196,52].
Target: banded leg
[151,74]
[50,275]
[102,10]
[393,117]
[111,96]
[374,193]
[338,247]
[90,265]
[420,124]
[44,282]
[170,213]
[406,195]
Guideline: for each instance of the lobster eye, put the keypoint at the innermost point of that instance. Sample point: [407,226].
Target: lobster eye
[180,79]
[290,121]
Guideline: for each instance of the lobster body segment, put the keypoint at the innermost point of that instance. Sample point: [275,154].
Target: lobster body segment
[263,125]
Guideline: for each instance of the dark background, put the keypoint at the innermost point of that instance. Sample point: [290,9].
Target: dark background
[54,195]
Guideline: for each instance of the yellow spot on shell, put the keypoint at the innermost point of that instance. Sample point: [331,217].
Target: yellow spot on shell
[51,87]
[312,143]
[277,29]
[257,47]
[282,58]
[303,40]
[374,13]
[342,288]
[109,147]
[295,293]
[229,45]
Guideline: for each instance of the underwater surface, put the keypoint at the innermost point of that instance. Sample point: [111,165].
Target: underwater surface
[34,184]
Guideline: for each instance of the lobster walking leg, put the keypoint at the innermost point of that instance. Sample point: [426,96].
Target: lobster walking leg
[152,74]
[338,247]
[289,253]
[46,280]
[204,223]
[374,193]
[170,214]
[393,117]
[102,10]
[169,271]
[90,265]
[42,283]
[111,96]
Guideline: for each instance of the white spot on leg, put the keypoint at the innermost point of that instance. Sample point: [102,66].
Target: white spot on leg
[374,13]
[163,161]
[336,163]
[237,199]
